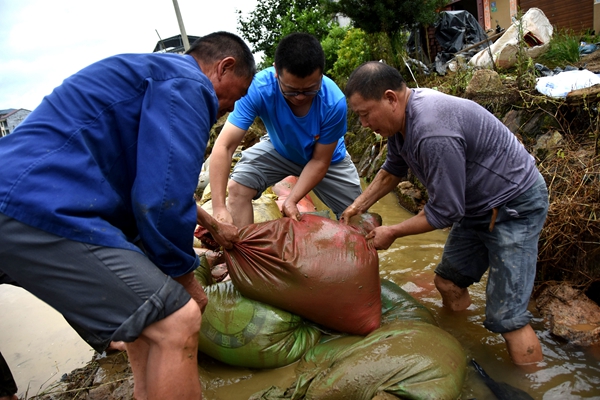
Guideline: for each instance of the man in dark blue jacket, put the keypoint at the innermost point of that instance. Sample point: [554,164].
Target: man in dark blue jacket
[96,202]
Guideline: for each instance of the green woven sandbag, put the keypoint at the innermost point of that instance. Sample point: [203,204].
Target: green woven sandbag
[202,273]
[397,304]
[409,356]
[409,359]
[243,332]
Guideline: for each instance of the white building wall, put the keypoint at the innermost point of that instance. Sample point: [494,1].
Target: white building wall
[16,118]
[8,124]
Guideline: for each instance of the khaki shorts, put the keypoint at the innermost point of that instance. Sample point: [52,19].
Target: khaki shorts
[262,166]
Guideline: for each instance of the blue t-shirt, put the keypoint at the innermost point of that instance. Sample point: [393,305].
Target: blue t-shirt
[113,154]
[294,137]
[466,158]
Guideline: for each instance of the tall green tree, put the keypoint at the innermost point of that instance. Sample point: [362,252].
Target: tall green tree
[390,17]
[272,19]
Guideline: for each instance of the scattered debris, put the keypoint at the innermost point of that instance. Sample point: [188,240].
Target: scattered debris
[533,27]
[560,85]
[570,314]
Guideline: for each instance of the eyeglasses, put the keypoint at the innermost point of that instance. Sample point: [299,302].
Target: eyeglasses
[307,93]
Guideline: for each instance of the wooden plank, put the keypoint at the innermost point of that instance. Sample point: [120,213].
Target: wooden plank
[584,96]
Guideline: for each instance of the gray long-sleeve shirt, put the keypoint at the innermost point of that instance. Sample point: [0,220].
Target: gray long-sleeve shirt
[467,159]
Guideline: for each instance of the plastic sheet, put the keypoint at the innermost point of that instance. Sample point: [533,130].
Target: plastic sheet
[560,85]
[455,31]
[458,29]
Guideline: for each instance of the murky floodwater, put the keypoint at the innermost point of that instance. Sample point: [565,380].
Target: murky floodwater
[40,346]
[568,372]
[36,341]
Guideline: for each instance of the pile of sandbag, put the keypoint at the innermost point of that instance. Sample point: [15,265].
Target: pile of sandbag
[242,332]
[409,357]
[309,292]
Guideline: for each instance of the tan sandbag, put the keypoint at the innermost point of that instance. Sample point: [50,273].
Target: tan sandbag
[265,208]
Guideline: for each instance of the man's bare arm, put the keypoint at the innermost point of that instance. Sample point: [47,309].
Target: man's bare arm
[312,173]
[383,184]
[220,165]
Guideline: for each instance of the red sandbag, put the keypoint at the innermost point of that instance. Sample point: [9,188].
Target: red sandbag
[317,268]
[283,188]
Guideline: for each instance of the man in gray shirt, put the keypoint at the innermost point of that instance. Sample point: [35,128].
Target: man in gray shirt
[480,180]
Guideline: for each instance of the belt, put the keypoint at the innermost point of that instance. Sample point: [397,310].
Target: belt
[493,220]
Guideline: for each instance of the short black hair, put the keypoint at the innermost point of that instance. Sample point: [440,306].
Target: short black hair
[219,45]
[371,79]
[300,54]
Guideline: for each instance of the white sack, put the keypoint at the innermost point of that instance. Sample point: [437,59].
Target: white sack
[505,49]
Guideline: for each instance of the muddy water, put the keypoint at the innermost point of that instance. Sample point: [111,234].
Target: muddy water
[568,372]
[40,346]
[36,342]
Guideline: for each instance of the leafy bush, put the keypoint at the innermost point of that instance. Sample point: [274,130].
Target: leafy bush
[331,44]
[563,50]
[353,51]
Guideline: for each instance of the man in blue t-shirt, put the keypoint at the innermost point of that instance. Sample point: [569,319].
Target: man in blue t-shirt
[97,213]
[305,116]
[480,180]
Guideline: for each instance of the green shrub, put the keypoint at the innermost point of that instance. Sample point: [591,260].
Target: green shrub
[562,51]
[331,43]
[354,50]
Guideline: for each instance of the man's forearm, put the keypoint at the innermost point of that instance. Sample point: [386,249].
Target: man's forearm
[311,175]
[412,226]
[383,184]
[205,220]
[218,173]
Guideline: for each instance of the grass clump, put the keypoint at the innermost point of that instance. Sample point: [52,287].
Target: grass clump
[563,49]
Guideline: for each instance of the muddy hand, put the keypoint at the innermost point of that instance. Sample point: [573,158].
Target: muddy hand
[225,234]
[222,215]
[290,209]
[192,286]
[381,237]
[349,213]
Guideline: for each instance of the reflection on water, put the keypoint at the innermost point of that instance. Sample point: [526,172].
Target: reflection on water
[44,349]
[37,343]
